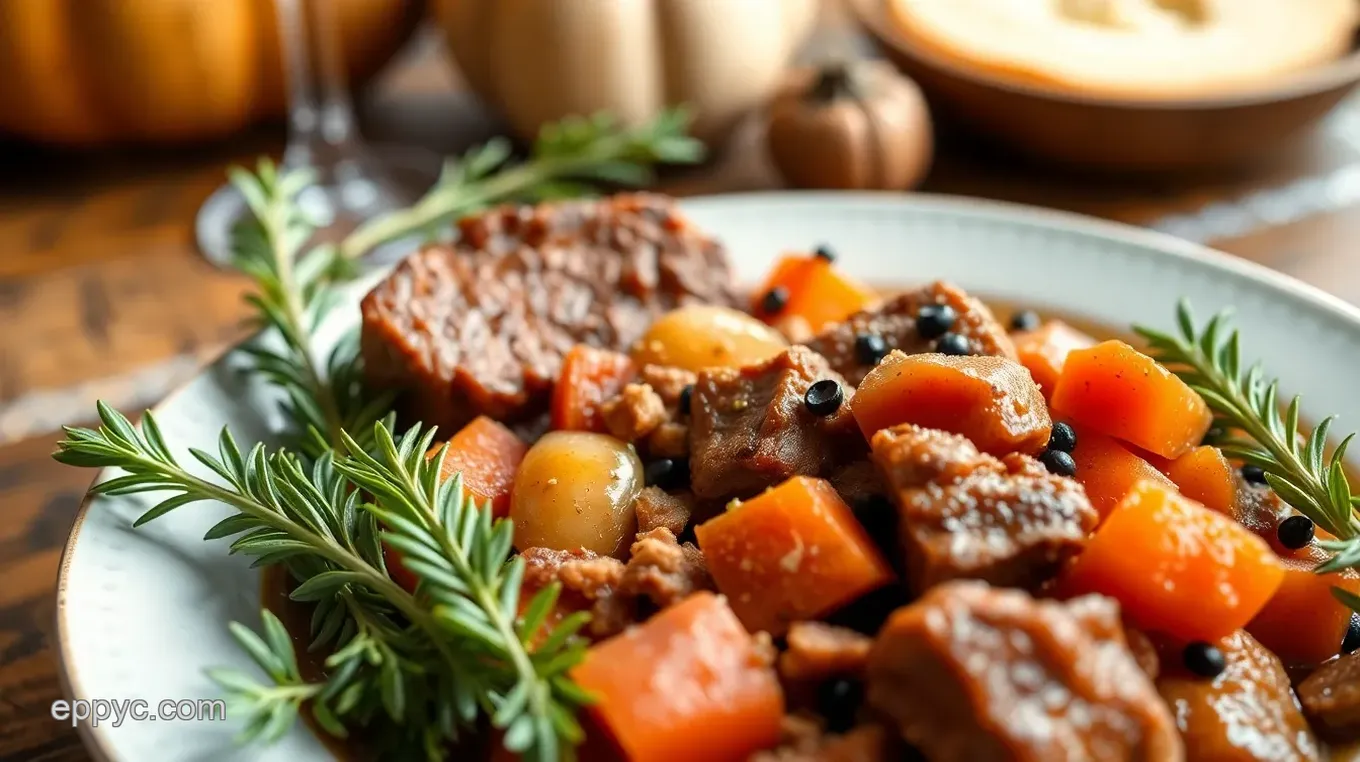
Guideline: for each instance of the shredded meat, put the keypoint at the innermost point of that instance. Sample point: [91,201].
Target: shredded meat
[895,322]
[965,514]
[636,412]
[664,571]
[657,509]
[589,583]
[818,651]
[971,672]
[668,382]
[670,440]
[804,740]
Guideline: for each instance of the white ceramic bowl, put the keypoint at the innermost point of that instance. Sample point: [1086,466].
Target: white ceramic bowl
[142,613]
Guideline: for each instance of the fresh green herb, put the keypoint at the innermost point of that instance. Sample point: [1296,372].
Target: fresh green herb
[1242,399]
[431,662]
[567,154]
[417,668]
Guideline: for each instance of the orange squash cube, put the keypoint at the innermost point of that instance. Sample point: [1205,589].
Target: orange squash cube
[1109,470]
[1177,567]
[1044,351]
[794,552]
[685,685]
[1117,390]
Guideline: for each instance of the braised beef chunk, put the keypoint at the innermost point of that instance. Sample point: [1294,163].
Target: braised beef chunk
[895,322]
[663,570]
[818,651]
[805,740]
[589,583]
[965,514]
[857,482]
[481,327]
[1331,698]
[972,673]
[751,428]
[657,509]
[1247,713]
[636,412]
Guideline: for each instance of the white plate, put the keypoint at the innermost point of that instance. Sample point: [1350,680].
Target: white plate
[142,613]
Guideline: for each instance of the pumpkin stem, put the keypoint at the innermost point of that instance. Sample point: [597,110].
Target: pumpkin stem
[835,80]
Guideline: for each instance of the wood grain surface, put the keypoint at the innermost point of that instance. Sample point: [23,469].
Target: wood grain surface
[102,294]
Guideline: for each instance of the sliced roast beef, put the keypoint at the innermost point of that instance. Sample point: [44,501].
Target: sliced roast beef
[482,326]
[1331,698]
[966,514]
[1248,713]
[971,673]
[751,428]
[895,322]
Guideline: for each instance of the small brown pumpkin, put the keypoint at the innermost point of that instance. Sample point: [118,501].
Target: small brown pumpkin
[850,126]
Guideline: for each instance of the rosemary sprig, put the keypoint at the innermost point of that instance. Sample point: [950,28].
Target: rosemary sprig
[567,154]
[1242,399]
[432,662]
[294,293]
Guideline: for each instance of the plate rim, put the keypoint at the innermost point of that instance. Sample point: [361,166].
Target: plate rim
[1162,243]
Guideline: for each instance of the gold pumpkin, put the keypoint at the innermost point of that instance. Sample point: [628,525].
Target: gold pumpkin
[89,72]
[539,60]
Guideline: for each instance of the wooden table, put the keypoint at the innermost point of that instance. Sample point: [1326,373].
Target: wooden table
[102,295]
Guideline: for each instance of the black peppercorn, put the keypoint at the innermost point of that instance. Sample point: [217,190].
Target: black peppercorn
[933,320]
[1253,474]
[1204,659]
[686,395]
[824,397]
[772,303]
[1295,532]
[1212,436]
[838,701]
[953,344]
[825,252]
[1352,639]
[1063,437]
[870,348]
[1025,320]
[666,473]
[1058,462]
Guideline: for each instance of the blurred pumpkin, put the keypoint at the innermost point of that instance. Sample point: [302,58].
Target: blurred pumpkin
[90,72]
[850,126]
[539,60]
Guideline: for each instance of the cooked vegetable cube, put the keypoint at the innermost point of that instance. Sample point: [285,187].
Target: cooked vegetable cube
[1176,567]
[1044,351]
[990,400]
[1117,390]
[686,685]
[1205,476]
[1109,470]
[589,377]
[810,288]
[1303,623]
[793,552]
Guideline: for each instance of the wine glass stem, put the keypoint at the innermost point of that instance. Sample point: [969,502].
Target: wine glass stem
[321,119]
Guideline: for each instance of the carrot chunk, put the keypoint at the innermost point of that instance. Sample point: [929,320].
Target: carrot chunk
[815,291]
[1176,567]
[1044,351]
[990,400]
[1117,390]
[793,552]
[1303,623]
[487,454]
[589,377]
[688,684]
[1109,470]
[1205,476]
